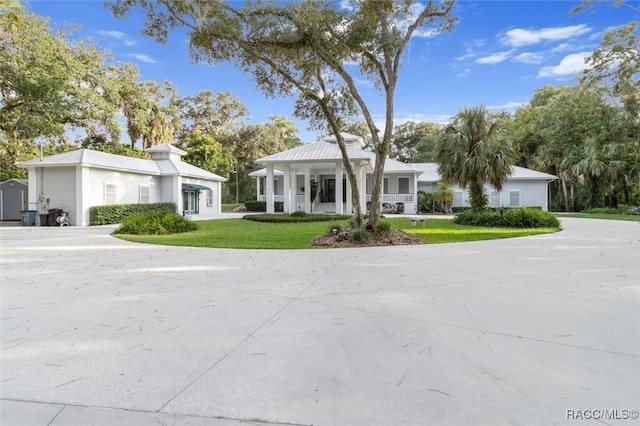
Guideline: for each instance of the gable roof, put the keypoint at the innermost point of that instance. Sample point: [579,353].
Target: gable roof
[316,151]
[103,160]
[322,151]
[432,174]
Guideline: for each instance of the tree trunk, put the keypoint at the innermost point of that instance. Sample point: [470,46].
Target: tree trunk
[376,190]
[564,192]
[478,199]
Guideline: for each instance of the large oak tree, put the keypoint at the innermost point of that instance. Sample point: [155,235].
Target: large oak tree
[305,48]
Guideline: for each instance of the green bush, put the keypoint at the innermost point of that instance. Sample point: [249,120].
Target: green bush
[602,210]
[156,223]
[116,213]
[359,235]
[337,226]
[382,228]
[261,206]
[291,218]
[508,218]
[298,213]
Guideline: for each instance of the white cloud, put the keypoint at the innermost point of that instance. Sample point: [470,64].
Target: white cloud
[569,65]
[464,73]
[509,106]
[113,34]
[529,58]
[496,58]
[142,57]
[562,47]
[118,35]
[519,37]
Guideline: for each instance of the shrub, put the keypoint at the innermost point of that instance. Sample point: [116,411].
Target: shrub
[291,218]
[116,213]
[261,206]
[336,226]
[359,235]
[633,210]
[601,210]
[382,228]
[156,223]
[255,206]
[508,218]
[399,208]
[298,213]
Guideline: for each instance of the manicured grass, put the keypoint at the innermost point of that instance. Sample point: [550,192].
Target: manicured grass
[629,217]
[245,234]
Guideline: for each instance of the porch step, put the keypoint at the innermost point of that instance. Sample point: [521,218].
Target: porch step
[326,208]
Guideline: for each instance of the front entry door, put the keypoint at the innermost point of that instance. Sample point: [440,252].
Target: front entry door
[329,191]
[190,201]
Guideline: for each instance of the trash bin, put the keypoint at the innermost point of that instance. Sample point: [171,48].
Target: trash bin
[44,219]
[53,215]
[28,217]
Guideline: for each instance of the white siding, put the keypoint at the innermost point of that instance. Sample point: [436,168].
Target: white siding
[127,184]
[58,184]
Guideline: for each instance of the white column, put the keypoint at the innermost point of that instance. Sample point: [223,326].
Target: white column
[286,192]
[338,188]
[258,179]
[415,192]
[362,185]
[307,190]
[269,189]
[349,208]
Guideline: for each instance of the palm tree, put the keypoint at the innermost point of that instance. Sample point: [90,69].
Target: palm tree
[443,194]
[472,151]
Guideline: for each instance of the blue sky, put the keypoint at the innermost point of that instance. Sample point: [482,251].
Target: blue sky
[497,55]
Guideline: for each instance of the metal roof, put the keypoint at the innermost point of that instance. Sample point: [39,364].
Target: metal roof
[88,157]
[431,173]
[312,152]
[323,151]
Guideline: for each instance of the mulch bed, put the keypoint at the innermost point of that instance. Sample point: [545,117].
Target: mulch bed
[394,238]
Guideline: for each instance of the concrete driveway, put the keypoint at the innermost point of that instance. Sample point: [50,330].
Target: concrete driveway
[536,330]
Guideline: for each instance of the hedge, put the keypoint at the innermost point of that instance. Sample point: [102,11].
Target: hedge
[508,218]
[295,218]
[261,206]
[115,213]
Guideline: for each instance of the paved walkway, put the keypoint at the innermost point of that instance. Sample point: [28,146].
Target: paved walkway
[98,331]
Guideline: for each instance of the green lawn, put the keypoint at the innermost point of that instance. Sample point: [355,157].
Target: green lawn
[628,217]
[245,234]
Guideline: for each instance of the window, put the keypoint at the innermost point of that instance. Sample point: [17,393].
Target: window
[110,194]
[458,199]
[514,198]
[210,197]
[494,198]
[403,185]
[369,184]
[385,186]
[143,194]
[276,186]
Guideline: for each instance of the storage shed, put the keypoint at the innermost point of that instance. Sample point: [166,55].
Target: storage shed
[14,196]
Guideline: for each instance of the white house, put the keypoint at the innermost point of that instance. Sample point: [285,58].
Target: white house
[524,188]
[318,166]
[291,176]
[74,181]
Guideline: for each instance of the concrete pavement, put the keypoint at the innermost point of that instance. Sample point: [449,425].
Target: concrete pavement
[518,331]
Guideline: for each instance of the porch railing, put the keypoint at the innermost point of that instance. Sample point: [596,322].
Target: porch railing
[395,198]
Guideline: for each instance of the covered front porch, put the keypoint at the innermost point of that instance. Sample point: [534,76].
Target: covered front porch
[312,178]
